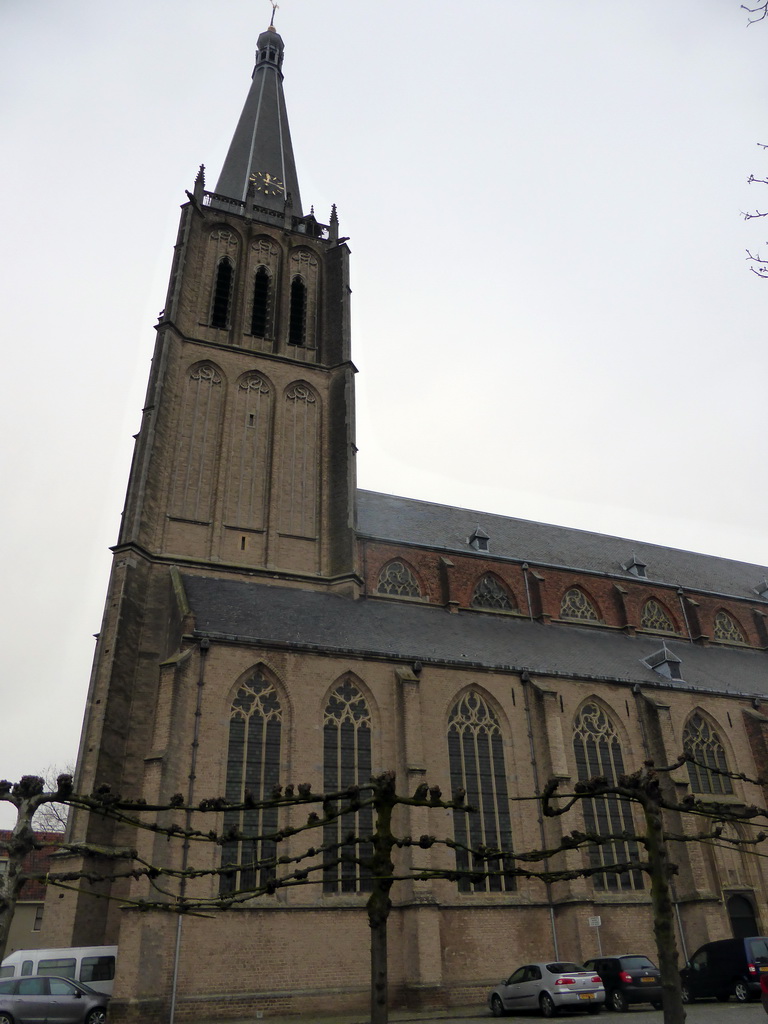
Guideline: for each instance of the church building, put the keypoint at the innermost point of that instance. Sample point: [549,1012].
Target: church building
[269,623]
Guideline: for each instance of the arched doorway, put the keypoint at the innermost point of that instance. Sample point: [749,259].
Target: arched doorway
[742,915]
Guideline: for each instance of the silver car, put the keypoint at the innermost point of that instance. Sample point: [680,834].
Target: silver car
[548,987]
[50,1000]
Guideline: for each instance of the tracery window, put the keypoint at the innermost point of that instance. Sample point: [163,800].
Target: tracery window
[489,593]
[576,605]
[702,743]
[253,766]
[397,580]
[656,617]
[346,762]
[260,311]
[297,321]
[727,629]
[597,749]
[222,293]
[476,757]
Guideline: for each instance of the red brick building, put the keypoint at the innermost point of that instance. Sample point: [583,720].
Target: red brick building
[29,914]
[267,621]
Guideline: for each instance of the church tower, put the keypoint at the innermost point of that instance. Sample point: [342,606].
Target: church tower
[245,458]
[244,463]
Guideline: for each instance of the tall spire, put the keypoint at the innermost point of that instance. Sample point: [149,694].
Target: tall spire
[260,154]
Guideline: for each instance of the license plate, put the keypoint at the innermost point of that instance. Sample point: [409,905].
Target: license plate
[586,995]
[648,979]
[763,969]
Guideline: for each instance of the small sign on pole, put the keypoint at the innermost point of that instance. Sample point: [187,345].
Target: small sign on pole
[595,922]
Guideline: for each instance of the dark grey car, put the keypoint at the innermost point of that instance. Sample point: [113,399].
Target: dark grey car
[50,1000]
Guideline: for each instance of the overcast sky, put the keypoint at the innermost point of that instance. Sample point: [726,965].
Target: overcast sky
[552,313]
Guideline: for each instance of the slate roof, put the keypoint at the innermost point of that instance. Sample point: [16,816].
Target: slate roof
[255,613]
[408,521]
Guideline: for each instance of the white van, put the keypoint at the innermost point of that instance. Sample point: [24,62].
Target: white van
[93,965]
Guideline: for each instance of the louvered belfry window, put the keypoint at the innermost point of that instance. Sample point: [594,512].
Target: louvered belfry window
[703,744]
[297,323]
[346,762]
[260,311]
[253,766]
[597,750]
[476,757]
[222,293]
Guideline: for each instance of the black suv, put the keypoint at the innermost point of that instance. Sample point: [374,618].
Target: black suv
[726,967]
[631,978]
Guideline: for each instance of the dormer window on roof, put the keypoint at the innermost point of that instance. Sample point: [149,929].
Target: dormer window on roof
[636,567]
[762,589]
[664,663]
[479,539]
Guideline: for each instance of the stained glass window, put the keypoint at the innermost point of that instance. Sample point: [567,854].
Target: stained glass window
[476,756]
[253,766]
[346,762]
[727,629]
[656,617]
[398,580]
[701,742]
[576,605]
[597,749]
[489,593]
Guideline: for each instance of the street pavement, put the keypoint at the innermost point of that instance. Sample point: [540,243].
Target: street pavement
[709,1012]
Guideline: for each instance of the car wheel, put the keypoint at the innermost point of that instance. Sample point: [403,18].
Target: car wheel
[497,1007]
[97,1016]
[687,996]
[548,1008]
[618,1001]
[6,1018]
[741,991]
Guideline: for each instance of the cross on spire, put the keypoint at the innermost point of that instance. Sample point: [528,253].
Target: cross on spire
[275,6]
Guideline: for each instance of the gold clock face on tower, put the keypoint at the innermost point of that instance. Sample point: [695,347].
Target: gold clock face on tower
[267,183]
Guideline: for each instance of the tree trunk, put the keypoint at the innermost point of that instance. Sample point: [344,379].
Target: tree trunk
[21,843]
[663,913]
[379,903]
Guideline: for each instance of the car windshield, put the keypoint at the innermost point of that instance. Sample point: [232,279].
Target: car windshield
[564,968]
[636,963]
[758,949]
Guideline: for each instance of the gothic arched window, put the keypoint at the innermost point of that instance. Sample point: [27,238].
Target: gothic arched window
[727,629]
[656,617]
[260,311]
[476,757]
[297,322]
[397,580]
[491,594]
[253,766]
[702,743]
[597,749]
[222,293]
[577,606]
[346,762]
